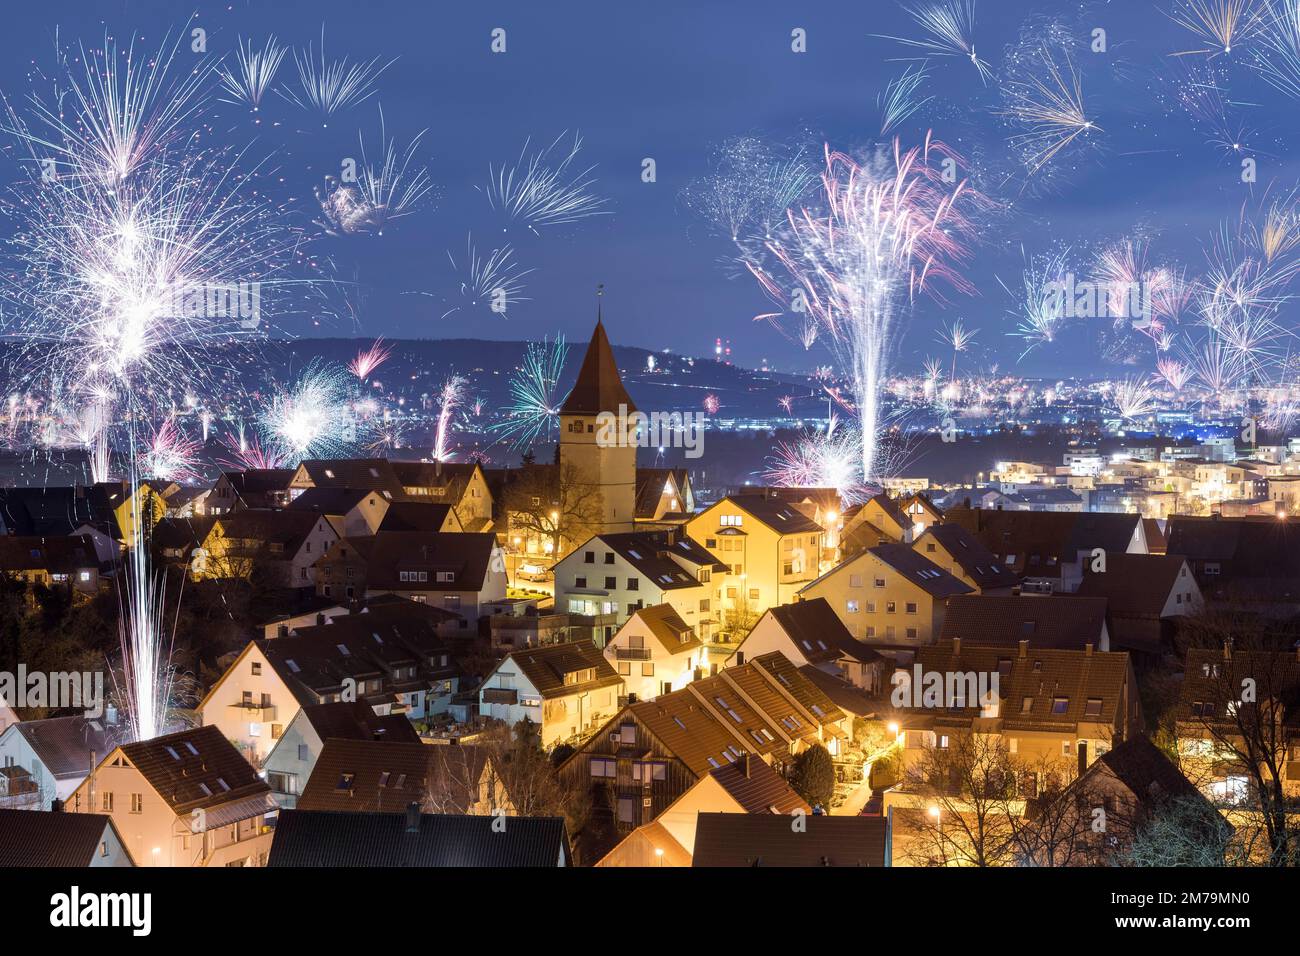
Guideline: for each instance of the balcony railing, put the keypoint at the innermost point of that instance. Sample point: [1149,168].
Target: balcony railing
[632,653]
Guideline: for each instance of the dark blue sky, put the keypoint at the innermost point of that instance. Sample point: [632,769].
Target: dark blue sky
[670,80]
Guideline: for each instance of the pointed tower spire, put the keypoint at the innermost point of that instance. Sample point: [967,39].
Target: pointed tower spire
[599,387]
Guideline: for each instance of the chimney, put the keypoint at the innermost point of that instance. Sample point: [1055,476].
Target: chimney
[1087,649]
[413,817]
[1024,650]
[740,658]
[1227,651]
[956,646]
[1083,756]
[744,764]
[56,805]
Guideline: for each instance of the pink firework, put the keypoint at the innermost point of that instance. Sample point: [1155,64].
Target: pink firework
[711,404]
[364,365]
[252,456]
[172,455]
[886,229]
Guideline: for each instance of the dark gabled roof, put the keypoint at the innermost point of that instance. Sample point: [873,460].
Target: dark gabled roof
[1062,620]
[259,481]
[357,720]
[434,474]
[758,788]
[267,526]
[1213,680]
[1255,548]
[197,768]
[920,570]
[747,839]
[847,697]
[975,560]
[1156,543]
[818,632]
[1039,542]
[313,661]
[599,387]
[32,838]
[330,501]
[468,556]
[1142,767]
[420,516]
[331,839]
[1029,685]
[1134,584]
[546,665]
[58,555]
[182,534]
[56,511]
[647,551]
[779,515]
[891,508]
[386,776]
[807,694]
[65,744]
[371,474]
[650,484]
[667,626]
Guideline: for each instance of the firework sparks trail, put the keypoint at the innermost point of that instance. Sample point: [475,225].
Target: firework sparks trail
[364,365]
[250,455]
[1279,60]
[1199,90]
[122,109]
[1041,311]
[1048,109]
[950,31]
[450,398]
[1134,398]
[826,458]
[541,190]
[171,455]
[534,400]
[959,338]
[123,266]
[327,87]
[1176,373]
[899,99]
[253,72]
[890,229]
[495,281]
[311,419]
[1220,24]
[394,188]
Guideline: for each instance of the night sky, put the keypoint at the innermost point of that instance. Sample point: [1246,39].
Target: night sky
[673,80]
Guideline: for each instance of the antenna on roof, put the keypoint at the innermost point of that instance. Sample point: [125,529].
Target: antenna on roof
[600,293]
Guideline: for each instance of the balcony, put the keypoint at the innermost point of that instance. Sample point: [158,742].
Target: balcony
[255,712]
[632,653]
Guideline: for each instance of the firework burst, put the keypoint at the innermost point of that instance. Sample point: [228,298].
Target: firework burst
[829,458]
[1134,399]
[326,86]
[534,397]
[249,78]
[1047,106]
[450,398]
[494,281]
[899,99]
[1219,24]
[890,228]
[395,187]
[949,30]
[171,456]
[364,365]
[311,419]
[540,189]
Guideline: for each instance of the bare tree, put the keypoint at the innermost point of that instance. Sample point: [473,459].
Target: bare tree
[1186,831]
[1242,679]
[964,789]
[552,503]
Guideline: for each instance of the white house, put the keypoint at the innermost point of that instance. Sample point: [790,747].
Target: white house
[656,652]
[565,689]
[57,752]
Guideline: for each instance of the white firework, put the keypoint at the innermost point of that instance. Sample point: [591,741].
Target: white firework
[249,78]
[541,189]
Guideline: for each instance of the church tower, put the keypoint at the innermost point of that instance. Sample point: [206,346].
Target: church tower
[601,456]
